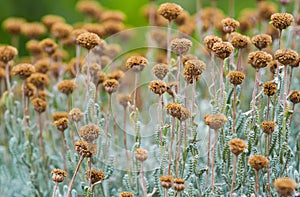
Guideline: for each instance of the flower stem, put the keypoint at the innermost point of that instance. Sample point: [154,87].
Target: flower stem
[41,139]
[144,186]
[54,190]
[178,75]
[234,110]
[212,73]
[268,108]
[290,80]
[239,60]
[77,60]
[221,82]
[254,93]
[107,118]
[74,175]
[208,157]
[63,150]
[7,77]
[178,149]
[26,118]
[256,183]
[285,88]
[213,162]
[171,145]
[169,43]
[90,171]
[234,174]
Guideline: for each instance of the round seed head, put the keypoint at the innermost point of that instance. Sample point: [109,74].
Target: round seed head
[266,9]
[259,59]
[61,124]
[286,56]
[49,20]
[169,11]
[76,114]
[158,87]
[48,46]
[42,65]
[237,146]
[285,186]
[61,30]
[89,132]
[141,154]
[229,25]
[136,63]
[76,32]
[236,77]
[39,80]
[273,66]
[58,115]
[39,105]
[281,20]
[7,53]
[294,96]
[180,46]
[211,40]
[268,127]
[166,181]
[126,194]
[124,100]
[66,86]
[110,85]
[187,57]
[160,70]
[23,70]
[261,41]
[95,175]
[30,90]
[100,77]
[222,49]
[58,175]
[178,184]
[33,30]
[88,40]
[194,67]
[13,25]
[270,88]
[34,48]
[258,162]
[215,121]
[85,149]
[239,41]
[89,8]
[174,109]
[117,75]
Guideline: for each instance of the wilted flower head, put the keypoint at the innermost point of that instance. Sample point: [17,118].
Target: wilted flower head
[23,70]
[222,49]
[239,41]
[270,88]
[285,186]
[258,162]
[237,146]
[34,48]
[261,41]
[158,87]
[294,96]
[160,70]
[85,149]
[266,9]
[177,111]
[268,126]
[50,19]
[89,8]
[30,90]
[178,184]
[33,30]
[229,25]
[211,40]
[95,175]
[39,80]
[61,124]
[88,40]
[58,175]
[141,154]
[39,105]
[286,56]
[58,115]
[126,194]
[170,11]
[110,85]
[215,121]
[61,30]
[124,100]
[117,75]
[13,25]
[281,20]
[188,57]
[76,114]
[259,59]
[7,53]
[89,132]
[236,77]
[166,181]
[48,46]
[66,86]
[172,88]
[136,63]
[180,46]
[194,67]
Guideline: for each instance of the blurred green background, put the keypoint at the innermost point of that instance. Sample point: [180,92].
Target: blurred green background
[33,10]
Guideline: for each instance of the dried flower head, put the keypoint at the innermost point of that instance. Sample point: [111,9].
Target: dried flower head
[166,181]
[7,53]
[215,121]
[270,88]
[76,32]
[117,75]
[88,40]
[48,46]
[13,25]
[222,49]
[89,132]
[58,175]
[194,67]
[188,57]
[110,85]
[180,46]
[136,63]
[172,88]
[295,63]
[160,70]
[237,146]
[61,30]
[89,8]
[229,25]
[23,70]
[126,194]
[85,149]
[49,20]
[236,77]
[61,124]
[211,40]
[261,41]
[42,65]
[259,59]
[258,162]
[268,127]
[39,80]
[285,186]
[113,16]
[286,56]
[141,154]
[100,77]
[184,114]
[169,11]
[33,30]
[76,114]
[39,105]
[174,109]
[178,184]
[281,20]
[95,175]
[294,96]
[29,90]
[273,66]
[124,100]
[58,115]
[239,41]
[158,87]
[266,9]
[34,48]
[66,86]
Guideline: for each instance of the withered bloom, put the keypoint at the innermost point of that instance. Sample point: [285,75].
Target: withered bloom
[236,77]
[66,86]
[281,20]
[39,105]
[180,46]
[160,70]
[215,121]
[259,59]
[89,132]
[58,175]
[170,11]
[261,41]
[158,87]
[110,85]
[258,162]
[23,70]
[237,146]
[88,40]
[268,127]
[222,49]
[286,56]
[136,63]
[285,186]
[270,88]
[229,25]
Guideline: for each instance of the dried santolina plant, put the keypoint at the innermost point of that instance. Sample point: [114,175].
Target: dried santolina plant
[58,176]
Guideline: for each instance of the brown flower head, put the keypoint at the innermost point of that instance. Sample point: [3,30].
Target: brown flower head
[258,162]
[259,59]
[42,95]
[96,175]
[237,146]
[270,88]
[169,11]
[183,18]
[30,90]
[194,67]
[191,78]
[215,121]
[39,80]
[100,77]
[136,63]
[39,105]
[180,46]
[158,87]
[222,49]
[33,30]
[110,85]
[85,149]
[13,25]
[58,115]
[34,48]
[126,194]
[295,63]
[281,20]
[124,100]
[42,65]
[23,70]
[76,114]
[174,109]
[117,75]
[285,186]
[113,16]
[294,96]
[188,57]
[229,25]
[273,66]
[61,30]
[88,40]
[172,88]
[66,86]
[178,184]
[141,154]
[49,20]
[239,41]
[286,56]
[184,114]
[58,175]
[61,124]
[89,8]
[266,9]
[89,132]
[261,41]
[236,77]
[211,40]
[268,127]
[166,181]
[48,46]
[76,32]
[160,70]
[7,53]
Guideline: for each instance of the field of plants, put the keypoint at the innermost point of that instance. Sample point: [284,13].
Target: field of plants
[190,105]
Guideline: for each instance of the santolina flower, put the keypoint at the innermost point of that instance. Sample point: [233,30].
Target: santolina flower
[236,77]
[136,63]
[126,194]
[295,96]
[222,49]
[39,105]
[281,20]
[261,41]
[141,154]
[48,46]
[170,11]
[285,186]
[178,184]
[166,181]
[286,56]
[229,25]
[270,88]
[7,53]
[258,162]
[85,149]
[89,132]
[61,124]
[215,121]
[211,40]
[180,46]
[124,100]
[76,114]
[110,85]
[160,70]
[67,86]
[239,41]
[95,175]
[58,115]
[23,70]
[88,40]
[13,25]
[259,59]
[49,20]
[194,67]
[58,175]
[268,126]
[158,87]
[237,146]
